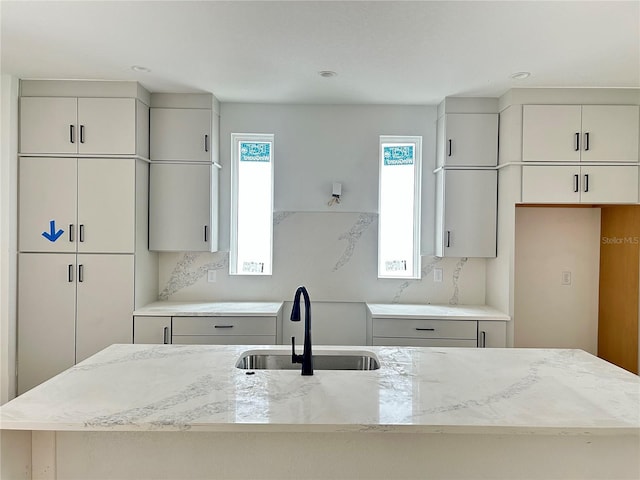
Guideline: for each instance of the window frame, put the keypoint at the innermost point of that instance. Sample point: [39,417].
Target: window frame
[236,139]
[416,141]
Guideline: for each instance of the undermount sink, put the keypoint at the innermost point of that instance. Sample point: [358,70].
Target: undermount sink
[323,360]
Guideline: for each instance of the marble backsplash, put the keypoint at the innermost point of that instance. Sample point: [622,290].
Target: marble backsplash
[334,255]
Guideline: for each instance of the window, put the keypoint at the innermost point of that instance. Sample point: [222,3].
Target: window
[399,207]
[251,204]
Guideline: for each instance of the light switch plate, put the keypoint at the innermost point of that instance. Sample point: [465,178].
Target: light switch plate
[211,276]
[566,278]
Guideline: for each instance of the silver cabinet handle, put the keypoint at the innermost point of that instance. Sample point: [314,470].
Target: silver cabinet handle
[71,232]
[577,141]
[586,141]
[448,238]
[70,273]
[72,136]
[165,335]
[425,329]
[482,341]
[82,232]
[206,237]
[81,133]
[206,143]
[586,183]
[81,273]
[450,148]
[223,326]
[576,179]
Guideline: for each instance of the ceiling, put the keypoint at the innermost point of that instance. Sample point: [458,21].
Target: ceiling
[399,52]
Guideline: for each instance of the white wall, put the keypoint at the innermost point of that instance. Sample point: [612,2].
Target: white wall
[548,242]
[8,233]
[331,250]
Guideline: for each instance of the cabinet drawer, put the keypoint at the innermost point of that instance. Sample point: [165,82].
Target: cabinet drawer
[394,327]
[224,340]
[423,342]
[226,326]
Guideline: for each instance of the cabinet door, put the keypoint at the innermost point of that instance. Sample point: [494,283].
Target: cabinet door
[610,133]
[181,134]
[471,139]
[179,207]
[48,125]
[105,302]
[106,205]
[614,184]
[492,334]
[470,209]
[155,330]
[551,133]
[552,184]
[46,316]
[107,126]
[47,204]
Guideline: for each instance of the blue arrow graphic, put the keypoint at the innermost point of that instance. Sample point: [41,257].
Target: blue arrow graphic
[52,235]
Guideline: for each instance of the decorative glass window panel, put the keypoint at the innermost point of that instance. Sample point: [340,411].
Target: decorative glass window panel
[251,204]
[399,207]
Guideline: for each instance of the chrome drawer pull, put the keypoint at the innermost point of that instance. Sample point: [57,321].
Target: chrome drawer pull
[223,326]
[425,329]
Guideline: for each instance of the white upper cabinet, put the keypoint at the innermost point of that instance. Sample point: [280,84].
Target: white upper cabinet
[610,133]
[181,134]
[77,204]
[48,125]
[182,207]
[47,204]
[107,126]
[106,205]
[572,133]
[86,126]
[467,140]
[466,212]
[579,184]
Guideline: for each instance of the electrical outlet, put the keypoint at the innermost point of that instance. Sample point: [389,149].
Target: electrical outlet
[566,278]
[437,275]
[211,276]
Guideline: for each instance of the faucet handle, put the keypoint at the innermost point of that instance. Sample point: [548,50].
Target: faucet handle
[294,358]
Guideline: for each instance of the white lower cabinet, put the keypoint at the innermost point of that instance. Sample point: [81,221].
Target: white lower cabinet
[492,334]
[155,330]
[70,307]
[224,330]
[47,314]
[580,184]
[425,332]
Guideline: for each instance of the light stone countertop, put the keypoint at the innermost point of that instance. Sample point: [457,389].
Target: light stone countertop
[422,390]
[443,312]
[210,309]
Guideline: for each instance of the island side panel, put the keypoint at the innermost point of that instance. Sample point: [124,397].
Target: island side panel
[363,455]
[15,454]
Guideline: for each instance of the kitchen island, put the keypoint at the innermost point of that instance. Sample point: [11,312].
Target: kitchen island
[186,411]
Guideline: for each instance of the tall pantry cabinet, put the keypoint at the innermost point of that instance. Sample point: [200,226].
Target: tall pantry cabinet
[83,263]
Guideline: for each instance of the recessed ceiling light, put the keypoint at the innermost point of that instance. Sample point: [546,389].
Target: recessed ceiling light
[327,73]
[520,75]
[141,69]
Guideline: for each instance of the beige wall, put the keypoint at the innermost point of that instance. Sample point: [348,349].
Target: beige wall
[548,242]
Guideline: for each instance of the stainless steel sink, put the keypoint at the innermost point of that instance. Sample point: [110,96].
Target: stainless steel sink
[324,360]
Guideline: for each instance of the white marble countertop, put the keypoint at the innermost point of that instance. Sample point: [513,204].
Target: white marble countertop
[210,309]
[459,390]
[444,312]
